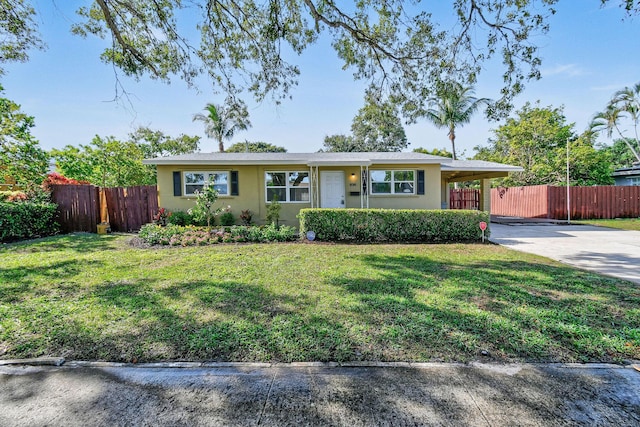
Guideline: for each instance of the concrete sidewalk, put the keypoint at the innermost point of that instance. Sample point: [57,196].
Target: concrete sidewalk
[604,250]
[320,394]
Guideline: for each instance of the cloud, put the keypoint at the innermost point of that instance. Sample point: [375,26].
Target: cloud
[571,70]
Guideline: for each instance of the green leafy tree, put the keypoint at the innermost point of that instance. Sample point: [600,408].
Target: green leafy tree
[376,127]
[537,141]
[222,121]
[255,147]
[109,162]
[442,152]
[451,107]
[21,158]
[106,162]
[619,154]
[155,143]
[339,143]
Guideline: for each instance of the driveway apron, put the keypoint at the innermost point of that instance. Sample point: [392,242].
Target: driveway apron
[604,250]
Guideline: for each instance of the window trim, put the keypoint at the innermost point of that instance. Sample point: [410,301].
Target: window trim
[287,186]
[206,173]
[392,182]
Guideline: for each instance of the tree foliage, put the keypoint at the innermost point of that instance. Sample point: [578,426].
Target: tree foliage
[107,162]
[619,154]
[376,127]
[155,143]
[442,152]
[221,122]
[255,147]
[21,158]
[397,45]
[537,141]
[18,31]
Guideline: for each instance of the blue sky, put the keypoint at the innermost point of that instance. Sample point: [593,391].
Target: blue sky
[589,53]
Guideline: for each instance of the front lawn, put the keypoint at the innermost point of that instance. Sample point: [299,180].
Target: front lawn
[621,223]
[89,297]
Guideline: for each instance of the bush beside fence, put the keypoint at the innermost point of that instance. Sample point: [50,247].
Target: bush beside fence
[391,225]
[27,220]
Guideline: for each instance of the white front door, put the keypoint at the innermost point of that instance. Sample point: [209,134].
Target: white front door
[332,189]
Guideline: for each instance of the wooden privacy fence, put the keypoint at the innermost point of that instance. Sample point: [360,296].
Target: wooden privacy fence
[464,198]
[78,207]
[82,207]
[129,208]
[545,201]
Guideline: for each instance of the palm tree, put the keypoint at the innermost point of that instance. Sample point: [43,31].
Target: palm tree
[453,105]
[624,102]
[628,99]
[222,121]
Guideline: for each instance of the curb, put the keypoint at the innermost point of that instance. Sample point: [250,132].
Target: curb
[38,361]
[61,362]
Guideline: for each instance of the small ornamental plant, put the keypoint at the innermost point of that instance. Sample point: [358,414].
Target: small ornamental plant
[205,200]
[245,217]
[227,218]
[273,211]
[162,217]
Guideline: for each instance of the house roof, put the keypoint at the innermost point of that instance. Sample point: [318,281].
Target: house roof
[309,159]
[469,170]
[452,170]
[632,171]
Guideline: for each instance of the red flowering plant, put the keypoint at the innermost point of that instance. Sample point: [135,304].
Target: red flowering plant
[162,217]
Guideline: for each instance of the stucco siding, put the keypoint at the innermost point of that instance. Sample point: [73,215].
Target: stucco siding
[251,190]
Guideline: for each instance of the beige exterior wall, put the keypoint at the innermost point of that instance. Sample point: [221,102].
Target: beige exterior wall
[252,190]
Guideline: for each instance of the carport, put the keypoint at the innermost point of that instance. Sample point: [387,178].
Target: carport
[471,170]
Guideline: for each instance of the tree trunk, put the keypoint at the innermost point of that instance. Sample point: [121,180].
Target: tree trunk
[452,138]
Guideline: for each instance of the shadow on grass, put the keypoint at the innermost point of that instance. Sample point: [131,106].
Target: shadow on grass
[383,307]
[78,242]
[201,320]
[511,309]
[18,282]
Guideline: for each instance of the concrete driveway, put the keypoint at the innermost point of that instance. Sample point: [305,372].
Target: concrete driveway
[603,250]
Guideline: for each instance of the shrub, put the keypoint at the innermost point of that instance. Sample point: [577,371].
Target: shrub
[13,196]
[387,225]
[27,220]
[273,210]
[175,235]
[227,219]
[245,217]
[179,218]
[154,234]
[162,217]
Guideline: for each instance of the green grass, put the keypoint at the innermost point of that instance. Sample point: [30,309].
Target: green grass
[89,297]
[621,223]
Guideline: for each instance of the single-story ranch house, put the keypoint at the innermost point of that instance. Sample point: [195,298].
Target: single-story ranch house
[394,180]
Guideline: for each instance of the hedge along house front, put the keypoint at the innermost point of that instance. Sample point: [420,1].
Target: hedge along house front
[313,180]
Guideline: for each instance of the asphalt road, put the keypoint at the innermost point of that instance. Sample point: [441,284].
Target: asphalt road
[604,250]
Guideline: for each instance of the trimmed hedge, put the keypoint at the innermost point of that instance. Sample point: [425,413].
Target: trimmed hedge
[393,225]
[27,220]
[176,235]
